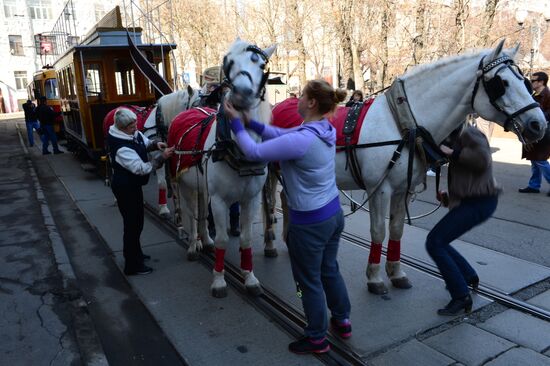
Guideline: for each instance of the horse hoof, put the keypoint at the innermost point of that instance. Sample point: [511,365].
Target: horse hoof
[219,293]
[192,256]
[402,283]
[270,252]
[255,290]
[377,288]
[165,215]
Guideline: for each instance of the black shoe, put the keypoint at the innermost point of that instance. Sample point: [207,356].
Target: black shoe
[474,282]
[46,153]
[307,345]
[455,306]
[341,327]
[528,190]
[143,270]
[58,152]
[146,257]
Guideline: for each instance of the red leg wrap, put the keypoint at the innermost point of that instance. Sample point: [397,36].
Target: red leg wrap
[246,259]
[162,196]
[394,250]
[375,253]
[220,253]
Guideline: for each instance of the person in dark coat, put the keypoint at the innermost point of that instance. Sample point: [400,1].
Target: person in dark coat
[356,97]
[472,198]
[539,152]
[46,116]
[131,168]
[31,120]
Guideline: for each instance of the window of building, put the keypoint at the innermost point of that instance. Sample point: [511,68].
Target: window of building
[92,73]
[10,8]
[124,78]
[20,79]
[40,9]
[51,89]
[16,45]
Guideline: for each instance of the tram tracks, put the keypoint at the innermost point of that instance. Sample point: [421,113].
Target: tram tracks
[292,320]
[484,289]
[272,306]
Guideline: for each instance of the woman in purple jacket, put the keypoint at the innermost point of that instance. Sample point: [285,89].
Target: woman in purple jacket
[306,155]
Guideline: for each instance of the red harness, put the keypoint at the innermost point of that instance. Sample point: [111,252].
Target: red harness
[187,133]
[285,115]
[142,113]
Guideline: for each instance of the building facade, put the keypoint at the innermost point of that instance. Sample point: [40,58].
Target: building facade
[23,24]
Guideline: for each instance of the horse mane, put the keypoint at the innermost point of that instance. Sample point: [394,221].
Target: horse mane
[238,46]
[474,53]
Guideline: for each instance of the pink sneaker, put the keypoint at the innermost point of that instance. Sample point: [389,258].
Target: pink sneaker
[341,327]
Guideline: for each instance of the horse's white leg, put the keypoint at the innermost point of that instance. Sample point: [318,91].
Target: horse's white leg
[393,260]
[202,225]
[248,212]
[219,214]
[189,214]
[268,213]
[378,207]
[164,212]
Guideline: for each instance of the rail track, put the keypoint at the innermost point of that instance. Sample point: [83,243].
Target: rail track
[291,319]
[274,307]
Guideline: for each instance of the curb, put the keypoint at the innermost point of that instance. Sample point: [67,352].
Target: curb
[87,339]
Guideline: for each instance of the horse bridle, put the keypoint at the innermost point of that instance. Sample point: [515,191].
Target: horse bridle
[260,93]
[495,88]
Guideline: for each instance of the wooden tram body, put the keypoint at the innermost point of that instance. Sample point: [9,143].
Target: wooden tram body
[44,84]
[99,75]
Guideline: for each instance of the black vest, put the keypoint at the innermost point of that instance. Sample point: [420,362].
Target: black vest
[121,175]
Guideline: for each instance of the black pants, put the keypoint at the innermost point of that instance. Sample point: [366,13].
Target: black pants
[130,205]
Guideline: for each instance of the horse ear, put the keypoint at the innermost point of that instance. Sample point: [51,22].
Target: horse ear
[270,50]
[514,51]
[497,50]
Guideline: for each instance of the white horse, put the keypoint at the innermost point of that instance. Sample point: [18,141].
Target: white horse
[244,66]
[170,105]
[439,96]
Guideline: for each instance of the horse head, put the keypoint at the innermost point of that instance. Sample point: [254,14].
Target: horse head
[245,68]
[502,94]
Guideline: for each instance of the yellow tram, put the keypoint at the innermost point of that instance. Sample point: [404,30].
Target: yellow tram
[44,83]
[99,75]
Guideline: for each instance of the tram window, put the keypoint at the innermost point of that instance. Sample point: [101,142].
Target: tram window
[93,79]
[37,89]
[124,78]
[51,89]
[71,91]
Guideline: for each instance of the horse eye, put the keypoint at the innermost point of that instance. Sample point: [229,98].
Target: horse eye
[254,57]
[262,66]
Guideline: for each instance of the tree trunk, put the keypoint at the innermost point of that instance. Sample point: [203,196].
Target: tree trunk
[418,40]
[489,16]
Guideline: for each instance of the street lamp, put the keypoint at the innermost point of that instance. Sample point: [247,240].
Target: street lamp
[537,29]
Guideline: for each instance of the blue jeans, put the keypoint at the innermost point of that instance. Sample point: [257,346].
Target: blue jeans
[49,135]
[454,268]
[539,168]
[30,133]
[313,249]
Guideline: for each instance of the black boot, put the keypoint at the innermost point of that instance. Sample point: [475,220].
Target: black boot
[234,226]
[455,306]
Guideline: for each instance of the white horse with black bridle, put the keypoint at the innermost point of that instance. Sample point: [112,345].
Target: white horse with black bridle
[430,100]
[157,125]
[244,67]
